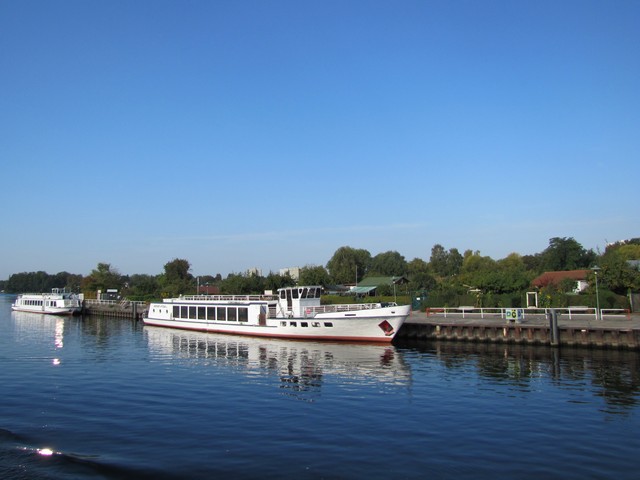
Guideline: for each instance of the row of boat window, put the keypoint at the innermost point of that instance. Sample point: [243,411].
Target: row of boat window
[300,292]
[305,324]
[217,314]
[34,303]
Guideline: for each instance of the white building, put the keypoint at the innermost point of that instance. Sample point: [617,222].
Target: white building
[255,271]
[294,272]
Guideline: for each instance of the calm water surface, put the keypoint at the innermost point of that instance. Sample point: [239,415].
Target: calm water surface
[106,398]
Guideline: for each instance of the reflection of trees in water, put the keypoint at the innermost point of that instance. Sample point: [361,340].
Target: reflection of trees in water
[102,332]
[613,375]
[619,386]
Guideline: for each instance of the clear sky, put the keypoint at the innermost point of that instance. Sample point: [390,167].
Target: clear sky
[240,134]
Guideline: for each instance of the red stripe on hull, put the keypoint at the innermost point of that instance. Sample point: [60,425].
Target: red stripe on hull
[44,312]
[289,336]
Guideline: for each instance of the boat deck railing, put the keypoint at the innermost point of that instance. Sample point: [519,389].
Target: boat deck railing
[347,307]
[228,298]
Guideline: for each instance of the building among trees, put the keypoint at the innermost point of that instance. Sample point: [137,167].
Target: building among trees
[557,279]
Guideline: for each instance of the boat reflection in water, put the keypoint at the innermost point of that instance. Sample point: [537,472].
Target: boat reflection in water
[300,365]
[33,327]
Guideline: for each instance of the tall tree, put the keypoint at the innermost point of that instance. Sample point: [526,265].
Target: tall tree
[176,279]
[419,275]
[103,277]
[511,275]
[620,272]
[143,286]
[438,260]
[274,281]
[443,263]
[478,271]
[566,254]
[346,263]
[314,275]
[33,282]
[389,263]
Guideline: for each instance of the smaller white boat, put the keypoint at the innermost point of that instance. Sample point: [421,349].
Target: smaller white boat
[58,302]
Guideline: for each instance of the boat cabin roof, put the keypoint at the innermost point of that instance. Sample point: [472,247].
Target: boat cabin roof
[313,291]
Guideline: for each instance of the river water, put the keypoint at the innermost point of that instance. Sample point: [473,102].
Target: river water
[109,398]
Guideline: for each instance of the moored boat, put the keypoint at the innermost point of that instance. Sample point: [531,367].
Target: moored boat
[58,302]
[295,312]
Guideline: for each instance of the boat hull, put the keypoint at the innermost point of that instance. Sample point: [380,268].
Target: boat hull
[47,310]
[380,325]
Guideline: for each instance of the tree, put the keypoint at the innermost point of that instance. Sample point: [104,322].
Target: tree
[72,281]
[454,261]
[274,281]
[314,275]
[478,271]
[419,275]
[39,282]
[176,279]
[438,260]
[348,262]
[389,263]
[443,263]
[143,287]
[102,277]
[512,275]
[566,254]
[618,274]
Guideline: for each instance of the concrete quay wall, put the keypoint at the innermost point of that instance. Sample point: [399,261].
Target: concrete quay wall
[118,309]
[622,333]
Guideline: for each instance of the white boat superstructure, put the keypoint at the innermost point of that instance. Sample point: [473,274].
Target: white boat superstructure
[295,312]
[58,302]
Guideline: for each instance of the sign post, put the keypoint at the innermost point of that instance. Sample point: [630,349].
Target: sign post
[514,314]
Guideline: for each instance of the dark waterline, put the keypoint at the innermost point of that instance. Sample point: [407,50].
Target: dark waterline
[113,399]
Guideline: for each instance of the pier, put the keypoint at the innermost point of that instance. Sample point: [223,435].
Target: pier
[114,308]
[620,330]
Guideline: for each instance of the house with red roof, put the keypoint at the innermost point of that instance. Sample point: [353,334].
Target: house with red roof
[554,279]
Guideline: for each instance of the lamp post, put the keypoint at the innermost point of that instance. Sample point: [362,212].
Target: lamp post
[596,269]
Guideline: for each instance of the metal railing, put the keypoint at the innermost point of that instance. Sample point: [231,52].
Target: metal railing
[343,307]
[122,303]
[217,298]
[571,312]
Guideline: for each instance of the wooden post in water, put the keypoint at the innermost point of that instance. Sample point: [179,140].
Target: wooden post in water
[554,334]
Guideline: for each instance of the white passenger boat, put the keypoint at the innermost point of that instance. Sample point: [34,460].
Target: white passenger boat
[58,302]
[295,312]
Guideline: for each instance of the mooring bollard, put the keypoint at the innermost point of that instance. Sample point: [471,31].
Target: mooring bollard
[554,334]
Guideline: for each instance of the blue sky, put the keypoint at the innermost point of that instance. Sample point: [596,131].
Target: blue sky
[240,134]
